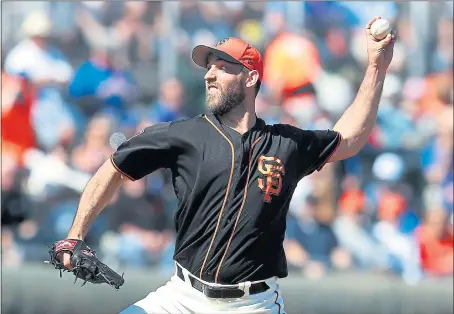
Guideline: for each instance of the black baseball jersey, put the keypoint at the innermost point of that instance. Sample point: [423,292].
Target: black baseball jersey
[233,190]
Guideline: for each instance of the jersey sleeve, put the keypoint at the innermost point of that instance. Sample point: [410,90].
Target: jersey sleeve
[315,148]
[145,152]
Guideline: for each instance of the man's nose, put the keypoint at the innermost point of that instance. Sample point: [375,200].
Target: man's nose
[210,74]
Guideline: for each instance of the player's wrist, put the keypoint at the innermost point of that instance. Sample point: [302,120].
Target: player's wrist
[75,236]
[376,72]
[375,66]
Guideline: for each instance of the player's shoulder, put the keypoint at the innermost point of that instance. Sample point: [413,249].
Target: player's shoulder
[188,123]
[181,125]
[284,130]
[189,127]
[294,132]
[163,127]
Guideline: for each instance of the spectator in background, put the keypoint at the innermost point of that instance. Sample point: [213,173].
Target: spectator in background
[94,150]
[311,245]
[120,25]
[12,256]
[291,64]
[436,244]
[350,230]
[391,171]
[437,92]
[133,29]
[442,58]
[103,84]
[15,205]
[170,103]
[48,70]
[18,98]
[202,17]
[401,248]
[393,123]
[437,157]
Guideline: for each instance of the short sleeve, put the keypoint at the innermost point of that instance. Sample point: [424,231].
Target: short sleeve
[145,152]
[315,148]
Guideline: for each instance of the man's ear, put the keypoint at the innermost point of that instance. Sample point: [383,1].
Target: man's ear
[252,79]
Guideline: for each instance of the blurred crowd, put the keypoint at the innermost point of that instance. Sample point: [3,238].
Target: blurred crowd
[78,77]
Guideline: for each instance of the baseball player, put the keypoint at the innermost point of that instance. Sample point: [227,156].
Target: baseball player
[234,177]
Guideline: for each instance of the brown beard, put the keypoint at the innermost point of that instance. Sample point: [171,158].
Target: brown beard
[228,100]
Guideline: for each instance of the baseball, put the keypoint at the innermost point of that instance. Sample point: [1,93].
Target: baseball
[117,139]
[380,29]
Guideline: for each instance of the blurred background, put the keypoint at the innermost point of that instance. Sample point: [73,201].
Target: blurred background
[78,76]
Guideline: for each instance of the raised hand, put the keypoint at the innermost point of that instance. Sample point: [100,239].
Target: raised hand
[380,52]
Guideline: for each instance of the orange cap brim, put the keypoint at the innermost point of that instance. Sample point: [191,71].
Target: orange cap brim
[200,55]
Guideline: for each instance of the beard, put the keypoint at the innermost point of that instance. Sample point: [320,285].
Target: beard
[220,102]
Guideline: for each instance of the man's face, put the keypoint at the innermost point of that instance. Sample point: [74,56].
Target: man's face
[224,85]
[41,41]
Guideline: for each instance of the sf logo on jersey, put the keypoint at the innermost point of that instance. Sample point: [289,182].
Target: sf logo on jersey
[271,181]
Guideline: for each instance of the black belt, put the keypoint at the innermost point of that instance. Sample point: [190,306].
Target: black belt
[222,292]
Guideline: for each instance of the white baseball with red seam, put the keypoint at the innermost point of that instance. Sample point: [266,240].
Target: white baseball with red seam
[380,29]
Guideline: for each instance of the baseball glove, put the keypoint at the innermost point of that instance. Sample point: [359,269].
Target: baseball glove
[85,263]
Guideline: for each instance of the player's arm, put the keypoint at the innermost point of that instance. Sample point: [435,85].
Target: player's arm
[358,120]
[135,158]
[96,195]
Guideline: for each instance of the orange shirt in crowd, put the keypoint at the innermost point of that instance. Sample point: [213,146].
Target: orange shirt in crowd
[18,97]
[352,201]
[436,253]
[290,63]
[438,87]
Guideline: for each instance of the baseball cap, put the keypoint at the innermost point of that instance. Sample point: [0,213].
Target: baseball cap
[232,50]
[36,24]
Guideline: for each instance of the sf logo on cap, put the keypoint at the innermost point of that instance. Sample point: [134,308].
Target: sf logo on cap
[271,182]
[222,41]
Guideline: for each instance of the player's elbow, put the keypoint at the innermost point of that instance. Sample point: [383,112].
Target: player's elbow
[354,145]
[108,172]
[348,147]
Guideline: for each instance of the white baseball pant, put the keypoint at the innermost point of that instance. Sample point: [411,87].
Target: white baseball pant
[178,296]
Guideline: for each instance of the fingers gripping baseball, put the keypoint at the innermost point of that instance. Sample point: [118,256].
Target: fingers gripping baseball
[380,43]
